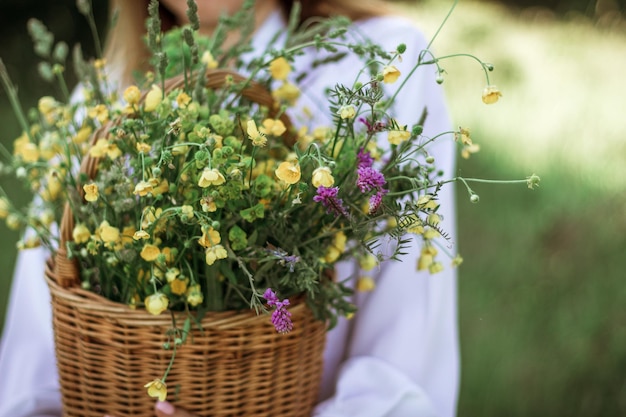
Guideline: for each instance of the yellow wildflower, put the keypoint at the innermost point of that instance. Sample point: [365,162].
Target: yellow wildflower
[156,303]
[53,186]
[108,233]
[288,172]
[273,127]
[13,222]
[47,105]
[194,295]
[91,192]
[457,260]
[157,389]
[153,98]
[208,204]
[334,251]
[211,177]
[143,147]
[390,74]
[424,261]
[322,176]
[287,92]
[132,95]
[187,211]
[430,233]
[99,112]
[396,137]
[468,150]
[178,286]
[365,284]
[210,238]
[171,274]
[141,234]
[491,94]
[214,253]
[103,147]
[81,233]
[208,60]
[143,188]
[159,187]
[346,111]
[183,100]
[257,138]
[150,252]
[463,135]
[427,202]
[368,262]
[279,68]
[435,267]
[82,135]
[4,208]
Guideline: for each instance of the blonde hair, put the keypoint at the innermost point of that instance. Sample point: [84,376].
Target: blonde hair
[126,52]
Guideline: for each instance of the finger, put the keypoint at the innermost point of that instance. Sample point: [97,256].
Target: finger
[166,409]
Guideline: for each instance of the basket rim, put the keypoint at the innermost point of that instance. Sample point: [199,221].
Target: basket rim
[89,301]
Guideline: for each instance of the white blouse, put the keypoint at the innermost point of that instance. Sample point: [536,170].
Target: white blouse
[397,357]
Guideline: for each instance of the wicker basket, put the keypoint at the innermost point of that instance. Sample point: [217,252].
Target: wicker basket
[237,365]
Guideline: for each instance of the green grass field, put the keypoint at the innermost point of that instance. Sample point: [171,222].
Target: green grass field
[542,293]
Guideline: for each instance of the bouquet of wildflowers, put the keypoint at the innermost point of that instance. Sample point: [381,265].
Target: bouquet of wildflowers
[205,199]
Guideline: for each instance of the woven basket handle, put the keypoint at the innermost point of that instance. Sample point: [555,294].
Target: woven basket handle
[66,270]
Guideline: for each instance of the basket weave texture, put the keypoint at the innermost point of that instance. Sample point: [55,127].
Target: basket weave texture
[235,365]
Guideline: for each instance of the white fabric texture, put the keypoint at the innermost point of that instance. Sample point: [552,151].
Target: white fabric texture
[397,357]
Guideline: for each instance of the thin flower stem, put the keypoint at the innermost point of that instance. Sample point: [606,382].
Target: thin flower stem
[15,103]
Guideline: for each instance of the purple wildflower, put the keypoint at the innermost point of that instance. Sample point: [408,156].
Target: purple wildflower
[369,179]
[328,197]
[372,128]
[376,200]
[365,159]
[281,318]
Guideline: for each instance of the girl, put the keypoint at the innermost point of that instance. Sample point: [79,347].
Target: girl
[399,355]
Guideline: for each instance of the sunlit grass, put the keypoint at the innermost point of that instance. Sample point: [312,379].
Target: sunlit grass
[563,85]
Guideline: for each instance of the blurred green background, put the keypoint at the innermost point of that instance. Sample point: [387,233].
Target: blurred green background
[542,297]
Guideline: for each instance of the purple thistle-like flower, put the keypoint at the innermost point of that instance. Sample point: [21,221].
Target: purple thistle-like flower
[365,159]
[370,179]
[328,197]
[281,318]
[376,200]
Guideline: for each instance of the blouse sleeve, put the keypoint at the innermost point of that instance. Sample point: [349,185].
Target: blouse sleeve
[402,356]
[27,362]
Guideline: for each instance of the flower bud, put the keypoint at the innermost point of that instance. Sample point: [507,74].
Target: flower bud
[474,198]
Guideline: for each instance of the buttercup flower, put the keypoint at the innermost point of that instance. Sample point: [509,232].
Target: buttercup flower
[81,233]
[91,192]
[365,284]
[141,234]
[156,303]
[288,172]
[132,95]
[390,74]
[210,238]
[322,176]
[157,389]
[396,137]
[108,233]
[153,98]
[208,60]
[257,138]
[274,127]
[211,177]
[215,253]
[279,68]
[491,94]
[194,295]
[150,252]
[347,111]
